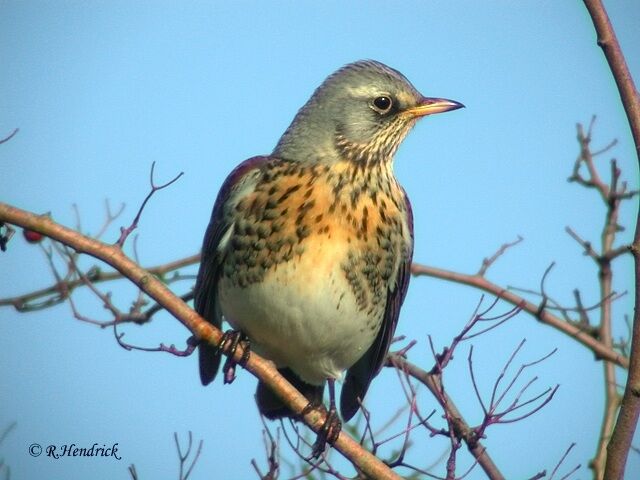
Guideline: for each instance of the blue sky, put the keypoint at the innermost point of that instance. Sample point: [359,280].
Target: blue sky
[100,91]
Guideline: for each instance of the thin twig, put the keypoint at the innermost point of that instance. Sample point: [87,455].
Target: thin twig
[109,218]
[52,293]
[10,136]
[182,457]
[546,317]
[564,456]
[433,382]
[125,232]
[7,430]
[487,262]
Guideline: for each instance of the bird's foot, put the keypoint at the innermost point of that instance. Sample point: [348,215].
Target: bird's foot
[228,345]
[330,428]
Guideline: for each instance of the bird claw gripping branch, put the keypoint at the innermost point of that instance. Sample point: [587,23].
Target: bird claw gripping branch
[228,345]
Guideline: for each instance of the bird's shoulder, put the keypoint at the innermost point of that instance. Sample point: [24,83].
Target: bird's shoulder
[246,171]
[240,178]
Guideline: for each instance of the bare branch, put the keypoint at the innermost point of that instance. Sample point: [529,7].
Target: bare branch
[433,382]
[109,218]
[52,294]
[588,248]
[613,53]
[272,451]
[564,456]
[125,232]
[485,410]
[612,194]
[627,419]
[491,415]
[202,329]
[6,431]
[481,283]
[487,262]
[184,475]
[10,136]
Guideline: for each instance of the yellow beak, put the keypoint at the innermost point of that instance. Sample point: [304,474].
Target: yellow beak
[430,106]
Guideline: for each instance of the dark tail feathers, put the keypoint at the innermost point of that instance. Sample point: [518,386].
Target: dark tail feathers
[209,358]
[270,404]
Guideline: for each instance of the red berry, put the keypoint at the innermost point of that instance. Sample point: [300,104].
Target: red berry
[31,236]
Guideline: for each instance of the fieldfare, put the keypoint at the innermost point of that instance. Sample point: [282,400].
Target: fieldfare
[308,249]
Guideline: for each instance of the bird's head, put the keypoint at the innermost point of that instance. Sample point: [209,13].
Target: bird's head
[360,113]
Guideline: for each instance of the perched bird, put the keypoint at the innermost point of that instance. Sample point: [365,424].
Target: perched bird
[308,249]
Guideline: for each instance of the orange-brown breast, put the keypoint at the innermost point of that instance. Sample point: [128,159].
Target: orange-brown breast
[359,214]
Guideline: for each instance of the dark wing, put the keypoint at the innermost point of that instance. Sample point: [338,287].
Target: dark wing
[359,376]
[206,289]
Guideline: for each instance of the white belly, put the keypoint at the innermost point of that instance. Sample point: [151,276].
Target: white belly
[303,315]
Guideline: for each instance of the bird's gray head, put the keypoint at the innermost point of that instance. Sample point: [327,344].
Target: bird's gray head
[360,113]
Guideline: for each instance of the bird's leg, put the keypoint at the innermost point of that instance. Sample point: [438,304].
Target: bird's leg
[332,425]
[228,345]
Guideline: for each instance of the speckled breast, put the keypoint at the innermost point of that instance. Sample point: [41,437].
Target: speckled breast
[314,249]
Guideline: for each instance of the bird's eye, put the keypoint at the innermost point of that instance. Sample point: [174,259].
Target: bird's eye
[382,103]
